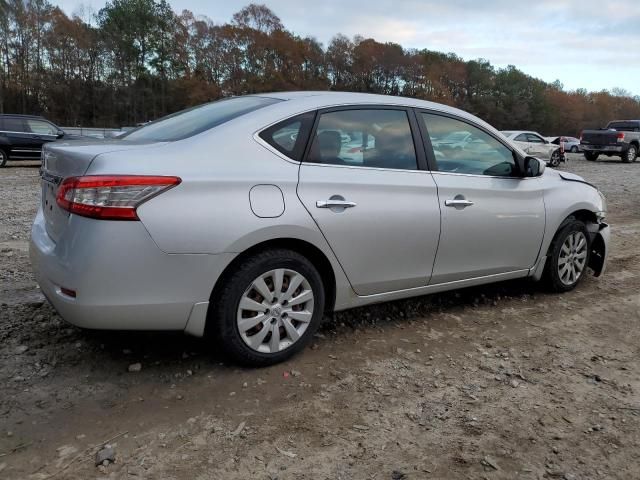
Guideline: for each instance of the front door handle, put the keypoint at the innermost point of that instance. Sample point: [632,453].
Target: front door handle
[458,202]
[335,204]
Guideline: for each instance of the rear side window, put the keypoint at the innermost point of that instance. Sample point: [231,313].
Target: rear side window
[521,138]
[290,136]
[13,125]
[196,120]
[364,138]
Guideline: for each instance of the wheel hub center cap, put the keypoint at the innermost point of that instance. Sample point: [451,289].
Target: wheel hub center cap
[276,310]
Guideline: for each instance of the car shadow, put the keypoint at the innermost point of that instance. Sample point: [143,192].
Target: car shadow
[163,349]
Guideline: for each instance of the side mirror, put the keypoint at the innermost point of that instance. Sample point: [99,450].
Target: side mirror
[533,167]
[59,134]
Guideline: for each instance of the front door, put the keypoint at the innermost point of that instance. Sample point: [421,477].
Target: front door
[39,132]
[361,183]
[492,219]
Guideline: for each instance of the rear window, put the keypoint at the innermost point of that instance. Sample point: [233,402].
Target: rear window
[625,126]
[198,119]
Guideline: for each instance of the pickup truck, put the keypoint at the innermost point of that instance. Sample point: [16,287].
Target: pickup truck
[620,138]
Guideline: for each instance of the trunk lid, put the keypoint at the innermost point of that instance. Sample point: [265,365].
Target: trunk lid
[61,160]
[599,137]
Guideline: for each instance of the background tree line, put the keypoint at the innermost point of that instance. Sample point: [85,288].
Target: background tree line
[137,60]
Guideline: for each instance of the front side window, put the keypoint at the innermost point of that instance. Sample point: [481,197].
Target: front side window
[364,138]
[290,136]
[481,155]
[521,138]
[192,121]
[41,128]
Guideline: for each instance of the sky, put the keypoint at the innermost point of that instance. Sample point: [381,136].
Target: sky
[592,44]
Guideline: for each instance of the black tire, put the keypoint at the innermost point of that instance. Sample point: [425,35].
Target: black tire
[631,154]
[4,157]
[222,319]
[551,275]
[574,149]
[591,156]
[554,161]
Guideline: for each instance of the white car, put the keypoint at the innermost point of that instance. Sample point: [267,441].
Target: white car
[535,145]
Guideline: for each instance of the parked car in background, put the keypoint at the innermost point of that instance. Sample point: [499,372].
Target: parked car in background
[454,140]
[285,206]
[571,144]
[536,145]
[620,138]
[22,137]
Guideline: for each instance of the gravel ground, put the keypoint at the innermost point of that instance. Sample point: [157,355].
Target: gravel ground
[504,381]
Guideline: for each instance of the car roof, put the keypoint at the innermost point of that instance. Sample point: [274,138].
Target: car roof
[336,98]
[518,132]
[20,115]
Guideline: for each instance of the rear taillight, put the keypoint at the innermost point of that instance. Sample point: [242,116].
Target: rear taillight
[620,136]
[110,197]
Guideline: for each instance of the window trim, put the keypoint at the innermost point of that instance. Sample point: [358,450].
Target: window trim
[432,157]
[421,162]
[306,125]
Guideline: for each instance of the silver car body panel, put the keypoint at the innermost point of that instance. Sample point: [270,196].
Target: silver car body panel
[238,192]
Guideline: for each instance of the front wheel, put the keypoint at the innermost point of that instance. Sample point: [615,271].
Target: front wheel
[555,159]
[568,257]
[591,156]
[268,309]
[3,158]
[574,149]
[630,155]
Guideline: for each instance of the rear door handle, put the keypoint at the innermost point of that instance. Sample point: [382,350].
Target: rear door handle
[458,203]
[335,203]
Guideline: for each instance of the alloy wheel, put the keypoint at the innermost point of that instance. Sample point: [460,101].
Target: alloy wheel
[573,258]
[275,310]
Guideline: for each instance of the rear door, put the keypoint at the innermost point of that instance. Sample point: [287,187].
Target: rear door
[538,146]
[364,182]
[17,138]
[492,219]
[522,142]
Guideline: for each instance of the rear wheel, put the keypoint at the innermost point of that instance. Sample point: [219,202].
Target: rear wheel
[591,156]
[631,154]
[574,149]
[268,308]
[555,159]
[4,157]
[568,257]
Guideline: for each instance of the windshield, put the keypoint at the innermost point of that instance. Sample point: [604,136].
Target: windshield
[198,119]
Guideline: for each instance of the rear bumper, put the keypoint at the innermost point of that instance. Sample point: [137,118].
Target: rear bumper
[605,148]
[122,280]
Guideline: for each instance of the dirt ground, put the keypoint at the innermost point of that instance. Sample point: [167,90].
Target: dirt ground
[499,382]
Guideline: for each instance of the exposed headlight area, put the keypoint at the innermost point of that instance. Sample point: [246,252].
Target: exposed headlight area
[601,215]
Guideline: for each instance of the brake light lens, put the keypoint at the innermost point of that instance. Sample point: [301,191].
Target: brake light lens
[110,197]
[620,136]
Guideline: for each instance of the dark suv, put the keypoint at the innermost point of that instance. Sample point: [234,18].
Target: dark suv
[22,137]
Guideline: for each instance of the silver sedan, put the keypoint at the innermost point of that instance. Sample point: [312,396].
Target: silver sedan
[248,218]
